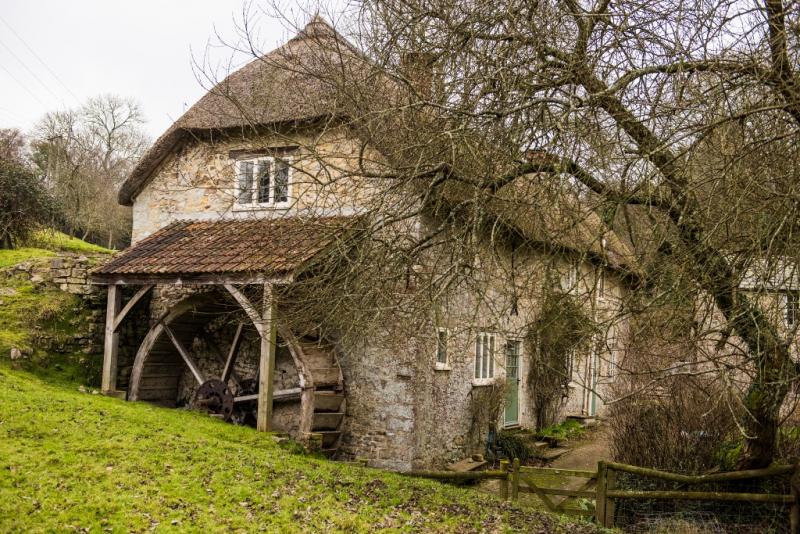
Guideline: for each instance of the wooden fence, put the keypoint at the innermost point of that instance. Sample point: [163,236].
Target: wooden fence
[601,487]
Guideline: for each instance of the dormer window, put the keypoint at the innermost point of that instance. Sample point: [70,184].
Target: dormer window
[262,182]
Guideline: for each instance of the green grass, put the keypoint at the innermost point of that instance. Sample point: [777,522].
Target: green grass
[44,244]
[562,431]
[55,240]
[72,461]
[9,258]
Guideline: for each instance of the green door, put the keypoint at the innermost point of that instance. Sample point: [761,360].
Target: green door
[512,379]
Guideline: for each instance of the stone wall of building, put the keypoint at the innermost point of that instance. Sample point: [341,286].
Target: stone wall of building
[198,180]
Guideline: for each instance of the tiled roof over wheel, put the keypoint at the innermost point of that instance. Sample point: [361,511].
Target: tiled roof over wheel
[272,246]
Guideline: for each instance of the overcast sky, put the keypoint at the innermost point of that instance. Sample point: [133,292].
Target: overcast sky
[56,53]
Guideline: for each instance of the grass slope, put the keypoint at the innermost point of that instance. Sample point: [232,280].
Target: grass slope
[35,315]
[76,461]
[44,244]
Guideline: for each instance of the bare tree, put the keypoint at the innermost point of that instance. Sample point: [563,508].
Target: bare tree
[628,97]
[85,154]
[13,145]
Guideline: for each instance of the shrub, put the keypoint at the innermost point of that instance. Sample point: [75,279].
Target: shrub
[514,445]
[25,204]
[562,329]
[562,431]
[687,427]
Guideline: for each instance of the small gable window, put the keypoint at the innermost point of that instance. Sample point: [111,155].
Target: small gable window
[262,182]
[441,346]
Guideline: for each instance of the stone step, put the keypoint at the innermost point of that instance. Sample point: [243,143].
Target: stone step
[326,421]
[553,453]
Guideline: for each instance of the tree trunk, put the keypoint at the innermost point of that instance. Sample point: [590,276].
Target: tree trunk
[5,242]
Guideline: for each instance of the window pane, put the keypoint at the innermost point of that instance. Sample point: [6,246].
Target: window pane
[491,357]
[245,182]
[281,181]
[478,356]
[263,181]
[485,357]
[512,359]
[441,346]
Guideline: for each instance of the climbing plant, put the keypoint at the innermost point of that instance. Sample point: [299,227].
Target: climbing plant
[563,329]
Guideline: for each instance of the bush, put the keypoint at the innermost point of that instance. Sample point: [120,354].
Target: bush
[686,428]
[514,445]
[25,204]
[562,431]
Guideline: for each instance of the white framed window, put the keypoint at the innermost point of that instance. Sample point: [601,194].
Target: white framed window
[263,182]
[484,355]
[442,357]
[569,279]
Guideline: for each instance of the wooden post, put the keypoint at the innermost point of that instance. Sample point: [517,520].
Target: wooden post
[111,344]
[504,481]
[267,361]
[515,480]
[611,483]
[600,499]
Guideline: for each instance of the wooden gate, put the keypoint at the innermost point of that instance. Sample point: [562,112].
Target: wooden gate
[564,491]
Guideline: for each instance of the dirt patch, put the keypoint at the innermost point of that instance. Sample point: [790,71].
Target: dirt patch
[592,448]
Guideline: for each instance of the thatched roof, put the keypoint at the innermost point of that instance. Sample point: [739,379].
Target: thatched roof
[548,215]
[287,85]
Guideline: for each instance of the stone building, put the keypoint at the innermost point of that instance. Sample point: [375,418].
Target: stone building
[254,192]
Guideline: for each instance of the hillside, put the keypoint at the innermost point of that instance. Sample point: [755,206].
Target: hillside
[76,461]
[48,326]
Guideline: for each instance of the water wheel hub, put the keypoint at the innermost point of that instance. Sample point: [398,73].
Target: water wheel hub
[215,397]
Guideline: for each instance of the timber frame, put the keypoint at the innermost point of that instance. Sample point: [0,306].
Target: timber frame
[262,315]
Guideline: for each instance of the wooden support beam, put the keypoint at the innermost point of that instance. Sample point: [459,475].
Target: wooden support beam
[111,343]
[212,344]
[129,306]
[185,355]
[279,395]
[268,332]
[232,353]
[249,309]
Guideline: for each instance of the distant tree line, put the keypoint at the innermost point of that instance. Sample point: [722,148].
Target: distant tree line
[67,172]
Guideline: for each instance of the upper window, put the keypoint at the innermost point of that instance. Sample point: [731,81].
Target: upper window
[262,182]
[441,346]
[484,355]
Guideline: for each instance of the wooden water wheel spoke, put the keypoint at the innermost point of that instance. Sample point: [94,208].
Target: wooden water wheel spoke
[232,353]
[187,359]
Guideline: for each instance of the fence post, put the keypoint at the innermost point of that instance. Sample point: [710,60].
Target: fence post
[504,481]
[611,483]
[794,513]
[600,498]
[515,481]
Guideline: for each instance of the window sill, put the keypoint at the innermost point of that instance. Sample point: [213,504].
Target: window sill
[439,366]
[482,382]
[261,207]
